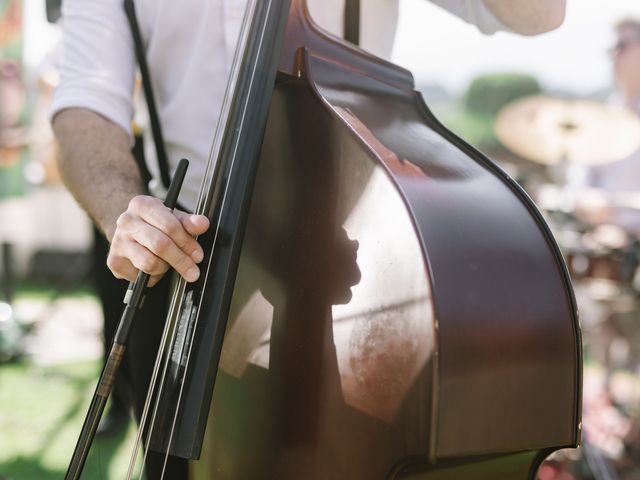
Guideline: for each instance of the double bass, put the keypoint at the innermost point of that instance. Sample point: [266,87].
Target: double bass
[380,300]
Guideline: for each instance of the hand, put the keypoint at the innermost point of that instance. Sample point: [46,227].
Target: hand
[150,237]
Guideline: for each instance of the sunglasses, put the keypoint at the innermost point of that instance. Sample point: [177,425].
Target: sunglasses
[621,46]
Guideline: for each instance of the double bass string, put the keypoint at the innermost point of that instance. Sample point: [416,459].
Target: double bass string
[204,201]
[233,158]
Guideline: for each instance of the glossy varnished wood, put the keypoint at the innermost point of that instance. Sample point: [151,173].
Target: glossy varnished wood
[400,309]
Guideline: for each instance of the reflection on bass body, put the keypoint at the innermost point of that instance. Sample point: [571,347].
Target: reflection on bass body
[399,303]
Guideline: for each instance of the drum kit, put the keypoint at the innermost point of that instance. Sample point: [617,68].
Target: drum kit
[597,229]
[597,226]
[569,138]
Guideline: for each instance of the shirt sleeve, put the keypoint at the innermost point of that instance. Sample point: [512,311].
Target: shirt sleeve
[97,62]
[474,12]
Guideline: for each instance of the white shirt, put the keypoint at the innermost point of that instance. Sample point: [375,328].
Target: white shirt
[189,71]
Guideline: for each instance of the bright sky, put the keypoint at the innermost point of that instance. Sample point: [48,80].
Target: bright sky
[439,48]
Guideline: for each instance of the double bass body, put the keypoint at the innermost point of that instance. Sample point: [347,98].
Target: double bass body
[401,310]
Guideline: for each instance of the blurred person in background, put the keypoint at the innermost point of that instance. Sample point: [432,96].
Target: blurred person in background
[609,206]
[622,176]
[626,62]
[189,46]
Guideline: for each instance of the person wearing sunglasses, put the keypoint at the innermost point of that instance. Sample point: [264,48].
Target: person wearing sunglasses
[626,62]
[618,179]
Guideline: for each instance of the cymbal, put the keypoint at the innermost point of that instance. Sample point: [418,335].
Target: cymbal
[551,130]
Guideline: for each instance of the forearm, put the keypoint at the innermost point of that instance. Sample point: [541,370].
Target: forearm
[528,17]
[96,165]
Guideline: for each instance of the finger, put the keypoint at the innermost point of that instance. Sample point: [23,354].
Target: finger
[127,258]
[144,259]
[194,224]
[154,279]
[164,249]
[125,245]
[121,268]
[153,212]
[117,260]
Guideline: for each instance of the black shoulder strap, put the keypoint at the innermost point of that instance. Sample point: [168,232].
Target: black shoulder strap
[351,34]
[158,139]
[352,21]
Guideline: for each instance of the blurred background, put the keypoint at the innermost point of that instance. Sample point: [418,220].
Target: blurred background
[545,108]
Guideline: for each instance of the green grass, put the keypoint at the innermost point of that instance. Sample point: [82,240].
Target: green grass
[27,289]
[41,413]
